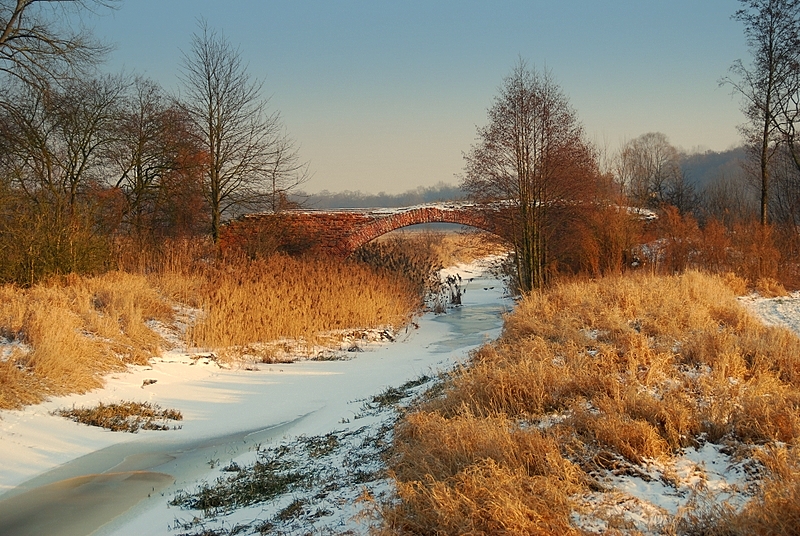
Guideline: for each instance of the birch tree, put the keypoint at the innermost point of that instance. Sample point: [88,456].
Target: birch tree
[772,31]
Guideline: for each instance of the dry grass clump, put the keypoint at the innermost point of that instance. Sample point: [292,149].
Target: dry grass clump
[479,476]
[283,297]
[18,387]
[72,331]
[776,508]
[116,307]
[124,417]
[69,331]
[620,370]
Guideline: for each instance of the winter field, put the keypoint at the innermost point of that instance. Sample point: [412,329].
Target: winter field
[315,430]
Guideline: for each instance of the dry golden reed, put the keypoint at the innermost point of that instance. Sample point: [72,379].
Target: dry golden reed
[72,330]
[469,475]
[618,370]
[283,297]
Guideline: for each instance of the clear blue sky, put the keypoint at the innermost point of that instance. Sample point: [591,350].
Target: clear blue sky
[386,95]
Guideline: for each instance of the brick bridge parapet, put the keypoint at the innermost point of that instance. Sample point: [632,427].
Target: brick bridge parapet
[341,232]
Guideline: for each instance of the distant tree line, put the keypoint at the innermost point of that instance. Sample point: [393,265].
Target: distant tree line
[440,192]
[88,158]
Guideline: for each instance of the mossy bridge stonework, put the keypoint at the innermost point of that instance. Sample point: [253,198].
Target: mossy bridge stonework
[340,232]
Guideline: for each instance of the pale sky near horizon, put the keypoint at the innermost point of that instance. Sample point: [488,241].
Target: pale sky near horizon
[386,96]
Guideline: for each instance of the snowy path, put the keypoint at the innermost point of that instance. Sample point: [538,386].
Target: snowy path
[783,311]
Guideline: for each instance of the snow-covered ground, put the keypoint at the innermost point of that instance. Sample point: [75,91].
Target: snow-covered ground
[643,498]
[783,311]
[67,478]
[321,426]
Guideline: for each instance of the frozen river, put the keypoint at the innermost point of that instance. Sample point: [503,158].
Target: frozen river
[59,477]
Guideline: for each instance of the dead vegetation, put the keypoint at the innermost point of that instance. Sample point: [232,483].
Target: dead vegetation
[279,297]
[71,331]
[417,255]
[124,417]
[595,377]
[63,335]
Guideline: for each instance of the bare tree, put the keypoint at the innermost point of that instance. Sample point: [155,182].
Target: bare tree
[152,136]
[680,193]
[53,142]
[533,158]
[41,43]
[245,144]
[648,170]
[286,173]
[772,30]
[728,200]
[55,138]
[785,199]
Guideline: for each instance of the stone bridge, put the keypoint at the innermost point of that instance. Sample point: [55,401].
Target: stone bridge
[341,232]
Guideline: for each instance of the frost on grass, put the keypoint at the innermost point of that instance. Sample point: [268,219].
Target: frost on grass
[646,498]
[310,484]
[124,417]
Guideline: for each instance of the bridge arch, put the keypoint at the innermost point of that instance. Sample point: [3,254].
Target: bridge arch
[430,214]
[341,232]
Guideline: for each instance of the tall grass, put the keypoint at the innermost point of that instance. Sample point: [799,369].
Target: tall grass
[280,296]
[607,372]
[417,255]
[71,330]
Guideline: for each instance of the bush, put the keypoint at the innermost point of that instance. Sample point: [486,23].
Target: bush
[39,242]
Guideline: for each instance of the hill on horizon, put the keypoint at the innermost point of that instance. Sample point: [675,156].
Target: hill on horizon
[701,169]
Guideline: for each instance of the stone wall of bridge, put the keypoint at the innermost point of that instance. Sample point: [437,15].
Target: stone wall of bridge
[340,233]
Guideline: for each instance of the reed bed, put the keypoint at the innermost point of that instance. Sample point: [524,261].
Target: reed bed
[594,376]
[62,336]
[418,255]
[72,330]
[283,297]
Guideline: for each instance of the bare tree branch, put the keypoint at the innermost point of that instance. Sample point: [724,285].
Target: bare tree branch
[248,155]
[772,31]
[531,156]
[43,41]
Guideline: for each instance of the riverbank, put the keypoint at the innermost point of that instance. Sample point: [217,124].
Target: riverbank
[229,414]
[630,405]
